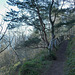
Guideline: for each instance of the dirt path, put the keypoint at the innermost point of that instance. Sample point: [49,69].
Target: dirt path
[57,67]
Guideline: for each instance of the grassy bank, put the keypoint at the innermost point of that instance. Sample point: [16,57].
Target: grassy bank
[35,66]
[70,63]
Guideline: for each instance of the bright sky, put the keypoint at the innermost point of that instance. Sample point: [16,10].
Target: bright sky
[2,3]
[2,11]
[2,8]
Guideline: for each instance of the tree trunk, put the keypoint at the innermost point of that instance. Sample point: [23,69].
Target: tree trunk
[53,36]
[52,24]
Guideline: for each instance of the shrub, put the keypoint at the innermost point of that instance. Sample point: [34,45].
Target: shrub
[70,63]
[28,68]
[34,66]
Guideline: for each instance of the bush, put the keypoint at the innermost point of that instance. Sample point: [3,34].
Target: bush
[70,63]
[34,66]
[28,68]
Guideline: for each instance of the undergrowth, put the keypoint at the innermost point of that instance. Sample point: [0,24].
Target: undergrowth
[35,66]
[70,63]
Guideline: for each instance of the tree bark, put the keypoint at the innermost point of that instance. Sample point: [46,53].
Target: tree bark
[52,24]
[43,26]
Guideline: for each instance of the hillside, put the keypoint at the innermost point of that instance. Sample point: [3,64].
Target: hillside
[37,37]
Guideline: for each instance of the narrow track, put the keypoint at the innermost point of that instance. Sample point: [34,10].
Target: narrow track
[57,67]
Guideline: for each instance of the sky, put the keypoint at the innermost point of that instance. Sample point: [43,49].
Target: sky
[2,8]
[2,11]
[2,4]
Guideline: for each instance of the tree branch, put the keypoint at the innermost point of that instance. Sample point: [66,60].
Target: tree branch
[50,10]
[3,34]
[56,13]
[6,47]
[1,29]
[38,47]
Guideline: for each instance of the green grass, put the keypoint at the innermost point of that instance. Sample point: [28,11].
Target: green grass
[70,63]
[35,66]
